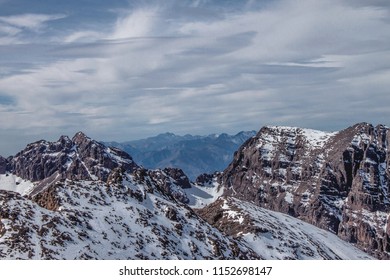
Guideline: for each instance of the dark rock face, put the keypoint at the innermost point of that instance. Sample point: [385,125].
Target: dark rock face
[336,181]
[3,165]
[179,177]
[76,158]
[206,179]
[167,184]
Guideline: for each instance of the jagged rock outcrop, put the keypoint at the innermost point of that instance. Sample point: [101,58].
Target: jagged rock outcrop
[78,158]
[178,176]
[3,165]
[336,181]
[48,198]
[171,186]
[206,179]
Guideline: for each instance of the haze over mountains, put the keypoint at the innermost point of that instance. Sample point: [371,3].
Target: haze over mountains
[288,193]
[193,154]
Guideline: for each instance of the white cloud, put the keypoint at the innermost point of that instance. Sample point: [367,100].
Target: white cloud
[287,63]
[14,27]
[138,23]
[82,36]
[9,30]
[29,21]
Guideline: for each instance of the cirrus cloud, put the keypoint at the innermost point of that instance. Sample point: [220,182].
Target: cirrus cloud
[206,69]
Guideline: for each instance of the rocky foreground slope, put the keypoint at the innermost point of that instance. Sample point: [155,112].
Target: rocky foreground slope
[336,181]
[274,235]
[78,199]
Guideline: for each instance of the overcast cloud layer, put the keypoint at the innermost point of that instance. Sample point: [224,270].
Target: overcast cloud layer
[122,70]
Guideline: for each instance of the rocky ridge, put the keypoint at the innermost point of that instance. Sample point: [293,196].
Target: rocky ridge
[76,158]
[336,181]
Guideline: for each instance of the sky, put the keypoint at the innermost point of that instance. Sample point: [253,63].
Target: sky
[122,70]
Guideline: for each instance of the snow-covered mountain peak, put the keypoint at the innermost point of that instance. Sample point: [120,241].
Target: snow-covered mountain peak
[314,138]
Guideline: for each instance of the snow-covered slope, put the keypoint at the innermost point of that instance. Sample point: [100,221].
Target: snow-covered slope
[95,220]
[11,182]
[274,235]
[201,195]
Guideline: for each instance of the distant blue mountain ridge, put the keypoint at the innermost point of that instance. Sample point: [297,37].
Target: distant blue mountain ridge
[194,154]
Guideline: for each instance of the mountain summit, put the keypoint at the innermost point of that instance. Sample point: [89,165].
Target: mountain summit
[76,158]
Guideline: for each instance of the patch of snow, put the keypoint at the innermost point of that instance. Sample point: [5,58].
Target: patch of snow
[11,182]
[317,138]
[305,198]
[236,216]
[289,197]
[282,171]
[200,196]
[375,219]
[360,138]
[370,161]
[267,170]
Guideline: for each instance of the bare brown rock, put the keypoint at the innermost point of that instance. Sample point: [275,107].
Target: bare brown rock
[48,198]
[338,182]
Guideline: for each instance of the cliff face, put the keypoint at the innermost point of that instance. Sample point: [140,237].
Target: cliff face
[336,181]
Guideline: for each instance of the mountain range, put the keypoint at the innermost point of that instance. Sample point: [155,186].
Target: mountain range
[195,155]
[288,193]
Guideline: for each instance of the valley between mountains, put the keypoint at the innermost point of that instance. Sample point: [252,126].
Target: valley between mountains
[288,193]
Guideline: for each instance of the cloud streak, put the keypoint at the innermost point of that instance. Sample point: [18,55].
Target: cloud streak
[205,69]
[29,21]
